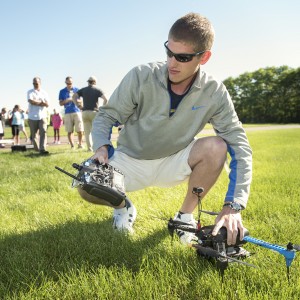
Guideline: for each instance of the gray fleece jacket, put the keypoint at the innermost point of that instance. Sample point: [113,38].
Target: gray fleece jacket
[142,103]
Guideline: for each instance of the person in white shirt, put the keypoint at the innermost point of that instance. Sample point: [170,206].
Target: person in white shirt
[38,100]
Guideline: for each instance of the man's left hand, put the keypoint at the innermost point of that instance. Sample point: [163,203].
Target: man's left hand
[232,220]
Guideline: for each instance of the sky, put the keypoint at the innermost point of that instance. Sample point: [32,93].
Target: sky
[53,39]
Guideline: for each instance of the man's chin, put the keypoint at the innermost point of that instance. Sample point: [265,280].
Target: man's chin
[174,79]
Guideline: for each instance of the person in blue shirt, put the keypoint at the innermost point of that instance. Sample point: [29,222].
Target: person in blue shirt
[73,115]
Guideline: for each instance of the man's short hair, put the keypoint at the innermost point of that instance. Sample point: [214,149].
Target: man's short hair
[92,80]
[193,29]
[36,79]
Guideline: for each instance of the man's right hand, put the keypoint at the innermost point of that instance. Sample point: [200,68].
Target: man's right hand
[101,154]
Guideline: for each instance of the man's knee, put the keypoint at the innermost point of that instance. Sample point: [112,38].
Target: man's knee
[219,146]
[208,149]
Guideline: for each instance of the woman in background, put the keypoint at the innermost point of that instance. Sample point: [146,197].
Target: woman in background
[57,122]
[16,124]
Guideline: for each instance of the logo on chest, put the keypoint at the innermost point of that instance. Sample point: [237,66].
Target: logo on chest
[197,107]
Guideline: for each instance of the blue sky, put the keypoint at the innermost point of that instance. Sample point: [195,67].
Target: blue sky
[53,39]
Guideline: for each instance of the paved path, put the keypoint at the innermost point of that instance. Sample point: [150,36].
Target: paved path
[256,128]
[64,139]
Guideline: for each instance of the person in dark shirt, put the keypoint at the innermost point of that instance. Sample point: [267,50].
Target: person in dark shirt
[90,105]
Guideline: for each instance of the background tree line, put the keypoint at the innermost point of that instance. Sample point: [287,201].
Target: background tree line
[269,95]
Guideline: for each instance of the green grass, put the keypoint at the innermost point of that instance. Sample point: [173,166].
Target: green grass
[54,245]
[50,131]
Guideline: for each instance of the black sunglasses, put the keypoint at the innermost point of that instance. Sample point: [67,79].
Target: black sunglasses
[181,57]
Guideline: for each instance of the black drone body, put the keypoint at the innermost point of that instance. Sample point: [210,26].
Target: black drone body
[216,248]
[213,247]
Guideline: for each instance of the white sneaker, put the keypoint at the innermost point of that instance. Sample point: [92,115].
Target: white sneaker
[186,237]
[124,218]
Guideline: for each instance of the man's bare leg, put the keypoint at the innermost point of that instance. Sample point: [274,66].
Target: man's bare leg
[79,134]
[206,159]
[71,139]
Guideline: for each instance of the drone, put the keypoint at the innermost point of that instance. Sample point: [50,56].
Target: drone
[215,248]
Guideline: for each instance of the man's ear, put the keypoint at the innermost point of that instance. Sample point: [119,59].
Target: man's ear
[205,57]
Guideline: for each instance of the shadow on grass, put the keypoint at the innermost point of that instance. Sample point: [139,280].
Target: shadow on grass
[28,154]
[35,154]
[32,257]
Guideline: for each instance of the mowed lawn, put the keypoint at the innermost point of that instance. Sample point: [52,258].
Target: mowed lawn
[54,245]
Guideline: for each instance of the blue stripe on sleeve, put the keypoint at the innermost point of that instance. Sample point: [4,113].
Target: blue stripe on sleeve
[232,175]
[111,149]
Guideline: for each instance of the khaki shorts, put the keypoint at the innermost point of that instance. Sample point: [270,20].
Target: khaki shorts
[73,120]
[164,172]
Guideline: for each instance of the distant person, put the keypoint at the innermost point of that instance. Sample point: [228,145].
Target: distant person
[1,133]
[164,106]
[90,105]
[16,123]
[73,115]
[2,125]
[57,122]
[48,118]
[38,100]
[22,126]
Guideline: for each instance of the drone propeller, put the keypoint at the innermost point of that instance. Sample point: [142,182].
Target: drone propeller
[176,224]
[297,247]
[212,213]
[209,252]
[290,246]
[182,225]
[172,221]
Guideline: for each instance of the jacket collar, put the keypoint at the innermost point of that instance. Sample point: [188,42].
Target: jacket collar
[164,78]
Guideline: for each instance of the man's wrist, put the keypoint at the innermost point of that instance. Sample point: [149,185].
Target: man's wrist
[105,147]
[234,206]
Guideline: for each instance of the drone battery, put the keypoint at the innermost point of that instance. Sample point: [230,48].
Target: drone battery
[21,147]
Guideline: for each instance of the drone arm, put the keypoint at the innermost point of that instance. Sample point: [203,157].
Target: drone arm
[288,254]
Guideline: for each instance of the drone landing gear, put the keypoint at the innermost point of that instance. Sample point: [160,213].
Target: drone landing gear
[221,256]
[238,252]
